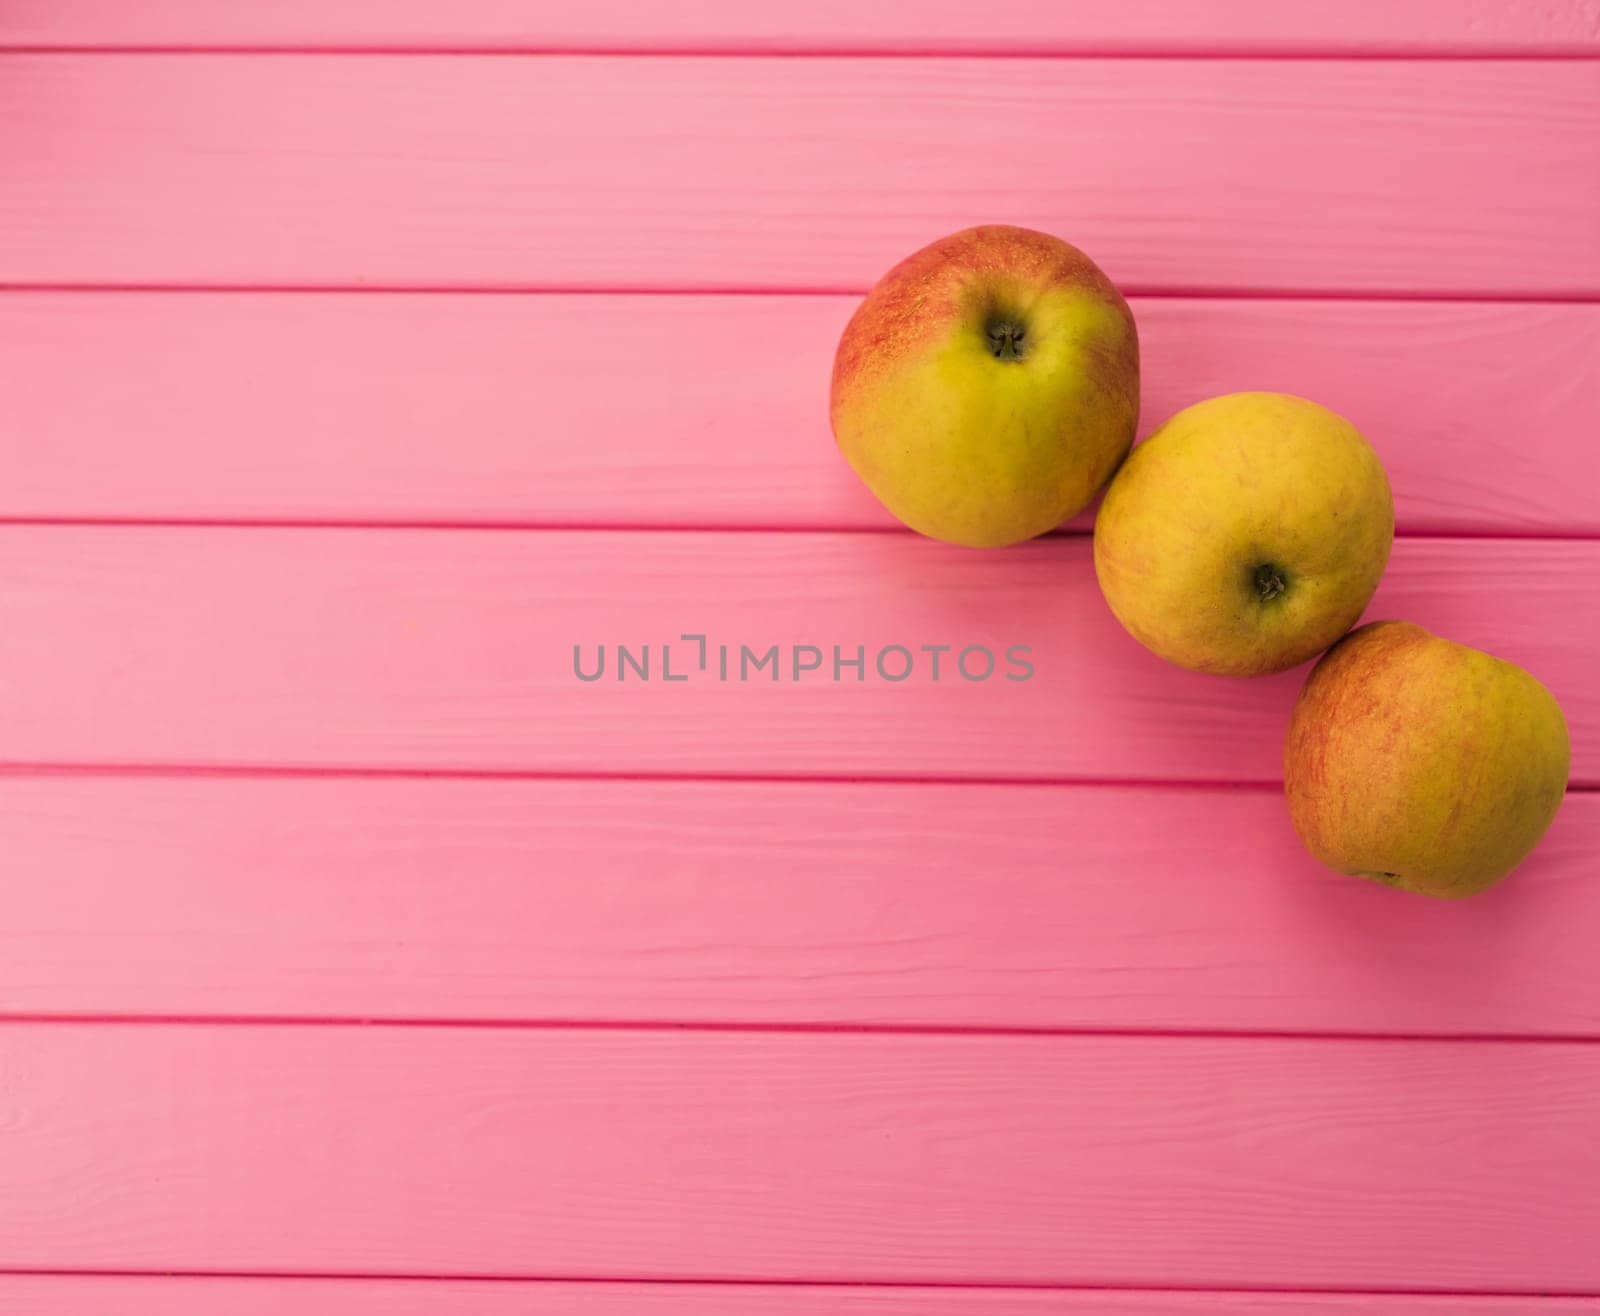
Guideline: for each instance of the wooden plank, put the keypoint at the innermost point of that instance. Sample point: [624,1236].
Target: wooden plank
[759,902]
[1468,27]
[139,1295]
[501,172]
[668,1155]
[474,409]
[455,650]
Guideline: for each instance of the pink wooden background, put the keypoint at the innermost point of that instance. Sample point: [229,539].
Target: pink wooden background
[359,357]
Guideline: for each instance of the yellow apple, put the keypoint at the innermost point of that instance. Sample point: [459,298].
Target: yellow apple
[1422,763]
[988,386]
[1245,535]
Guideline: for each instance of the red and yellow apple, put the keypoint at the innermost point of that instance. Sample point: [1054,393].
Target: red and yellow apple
[1245,535]
[988,386]
[1422,763]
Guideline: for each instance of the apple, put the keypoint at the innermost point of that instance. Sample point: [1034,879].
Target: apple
[1421,763]
[1245,535]
[988,386]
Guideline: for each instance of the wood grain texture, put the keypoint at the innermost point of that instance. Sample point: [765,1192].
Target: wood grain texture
[758,902]
[433,650]
[1475,27]
[74,1295]
[630,1155]
[1468,177]
[507,409]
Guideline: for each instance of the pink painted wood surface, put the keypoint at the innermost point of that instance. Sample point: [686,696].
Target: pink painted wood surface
[759,902]
[430,649]
[505,409]
[1475,27]
[748,1133]
[625,172]
[139,1295]
[663,1154]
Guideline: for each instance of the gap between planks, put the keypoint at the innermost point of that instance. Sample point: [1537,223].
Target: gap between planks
[21,768]
[1150,28]
[1194,292]
[1554,536]
[780,1028]
[1553,1296]
[823,50]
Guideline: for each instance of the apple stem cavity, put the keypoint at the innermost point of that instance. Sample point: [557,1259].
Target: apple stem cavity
[1270,581]
[1007,338]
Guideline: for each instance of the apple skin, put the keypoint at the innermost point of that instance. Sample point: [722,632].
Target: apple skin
[1245,535]
[1422,763]
[988,386]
